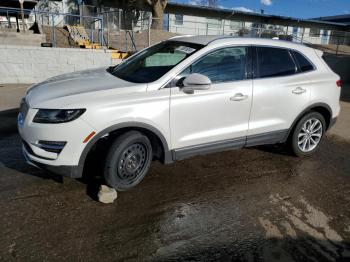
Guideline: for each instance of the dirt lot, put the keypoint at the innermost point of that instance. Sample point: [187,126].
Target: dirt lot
[257,204]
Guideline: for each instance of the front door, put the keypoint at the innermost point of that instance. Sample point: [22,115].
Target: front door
[219,116]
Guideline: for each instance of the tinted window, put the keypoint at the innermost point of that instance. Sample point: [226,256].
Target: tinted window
[227,64]
[152,63]
[304,64]
[274,62]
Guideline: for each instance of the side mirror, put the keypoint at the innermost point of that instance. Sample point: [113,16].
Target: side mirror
[195,82]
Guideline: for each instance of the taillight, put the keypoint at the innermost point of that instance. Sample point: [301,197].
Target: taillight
[338,82]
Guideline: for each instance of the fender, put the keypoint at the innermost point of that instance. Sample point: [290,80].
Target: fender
[304,112]
[167,154]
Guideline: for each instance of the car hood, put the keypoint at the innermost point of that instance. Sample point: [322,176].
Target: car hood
[60,88]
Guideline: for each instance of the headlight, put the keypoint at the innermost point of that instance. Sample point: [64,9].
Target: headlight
[55,116]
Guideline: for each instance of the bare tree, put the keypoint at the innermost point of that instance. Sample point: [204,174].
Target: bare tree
[157,7]
[131,13]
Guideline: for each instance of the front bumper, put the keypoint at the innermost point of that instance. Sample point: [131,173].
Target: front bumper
[68,171]
[66,162]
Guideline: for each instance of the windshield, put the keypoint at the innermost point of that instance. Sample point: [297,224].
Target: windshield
[154,62]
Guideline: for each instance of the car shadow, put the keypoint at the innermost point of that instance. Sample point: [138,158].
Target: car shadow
[93,172]
[11,153]
[8,121]
[278,149]
[11,157]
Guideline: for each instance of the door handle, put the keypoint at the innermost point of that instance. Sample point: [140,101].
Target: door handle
[238,97]
[299,90]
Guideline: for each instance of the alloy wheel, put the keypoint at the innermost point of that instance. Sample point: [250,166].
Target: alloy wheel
[310,135]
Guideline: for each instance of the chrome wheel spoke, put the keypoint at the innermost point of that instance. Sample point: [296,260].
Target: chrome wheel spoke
[313,125]
[302,140]
[316,129]
[313,141]
[316,135]
[301,134]
[304,144]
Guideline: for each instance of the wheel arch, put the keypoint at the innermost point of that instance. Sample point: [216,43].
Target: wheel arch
[151,132]
[322,108]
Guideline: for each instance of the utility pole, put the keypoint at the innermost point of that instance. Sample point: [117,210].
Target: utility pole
[22,14]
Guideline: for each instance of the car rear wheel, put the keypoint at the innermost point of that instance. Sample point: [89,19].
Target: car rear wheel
[308,133]
[128,160]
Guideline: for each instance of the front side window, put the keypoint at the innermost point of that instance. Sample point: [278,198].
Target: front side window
[304,64]
[224,65]
[152,63]
[272,62]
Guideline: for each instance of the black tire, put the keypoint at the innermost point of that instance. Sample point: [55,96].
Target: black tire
[128,160]
[298,140]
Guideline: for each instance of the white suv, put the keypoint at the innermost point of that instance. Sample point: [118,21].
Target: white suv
[186,96]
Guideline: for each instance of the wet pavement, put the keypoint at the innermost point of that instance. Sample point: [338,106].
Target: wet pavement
[257,204]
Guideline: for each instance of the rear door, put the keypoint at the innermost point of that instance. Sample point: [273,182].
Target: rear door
[280,93]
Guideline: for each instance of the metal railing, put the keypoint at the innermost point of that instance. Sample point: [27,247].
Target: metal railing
[47,22]
[124,25]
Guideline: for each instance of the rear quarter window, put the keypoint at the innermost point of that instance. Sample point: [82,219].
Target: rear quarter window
[304,64]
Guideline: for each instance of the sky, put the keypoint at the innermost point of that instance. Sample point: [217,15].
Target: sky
[293,8]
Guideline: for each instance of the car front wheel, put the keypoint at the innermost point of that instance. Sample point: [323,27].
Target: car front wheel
[308,133]
[128,160]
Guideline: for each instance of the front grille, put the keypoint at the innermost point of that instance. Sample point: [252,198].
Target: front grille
[51,146]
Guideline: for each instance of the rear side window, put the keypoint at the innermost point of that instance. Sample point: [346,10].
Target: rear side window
[304,64]
[272,62]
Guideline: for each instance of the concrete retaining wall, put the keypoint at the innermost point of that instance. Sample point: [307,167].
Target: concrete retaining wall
[23,64]
[11,37]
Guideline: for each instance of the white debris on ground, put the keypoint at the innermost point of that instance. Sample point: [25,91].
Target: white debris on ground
[107,195]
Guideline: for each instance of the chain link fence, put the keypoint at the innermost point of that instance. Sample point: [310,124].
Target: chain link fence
[130,30]
[54,24]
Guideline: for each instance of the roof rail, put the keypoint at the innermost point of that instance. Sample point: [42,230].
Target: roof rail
[177,36]
[221,37]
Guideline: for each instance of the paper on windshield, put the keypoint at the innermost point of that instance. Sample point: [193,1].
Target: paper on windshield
[185,49]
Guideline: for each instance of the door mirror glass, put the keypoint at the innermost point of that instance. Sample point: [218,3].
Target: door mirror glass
[194,82]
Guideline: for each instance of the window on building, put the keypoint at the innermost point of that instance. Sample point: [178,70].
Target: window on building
[179,19]
[304,64]
[315,32]
[272,62]
[235,25]
[213,23]
[224,65]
